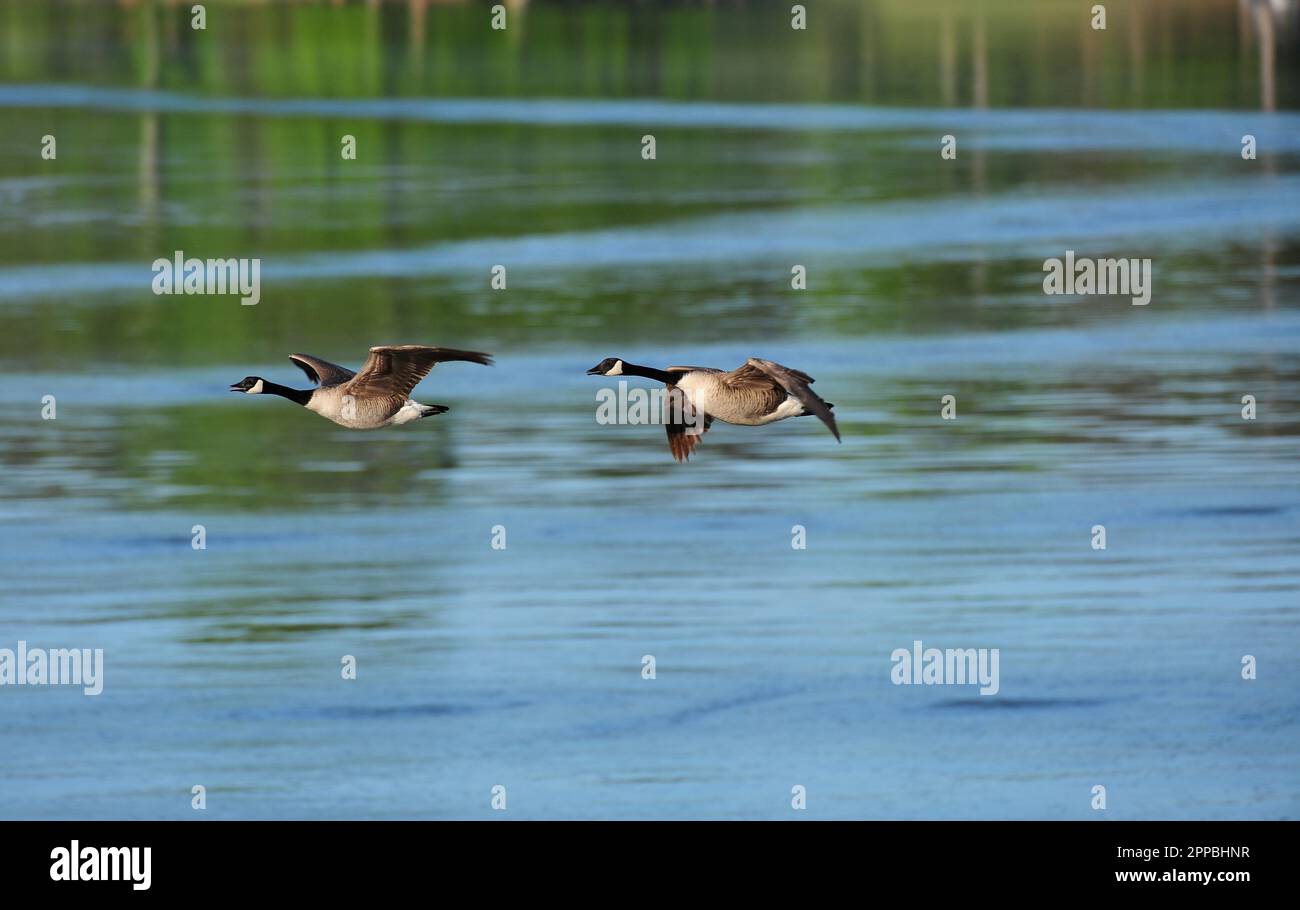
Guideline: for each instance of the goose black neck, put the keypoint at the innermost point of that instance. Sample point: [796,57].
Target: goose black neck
[298,396]
[634,369]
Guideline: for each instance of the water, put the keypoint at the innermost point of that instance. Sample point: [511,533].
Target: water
[522,666]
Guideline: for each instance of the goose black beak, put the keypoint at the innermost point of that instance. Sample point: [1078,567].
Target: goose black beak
[595,371]
[235,388]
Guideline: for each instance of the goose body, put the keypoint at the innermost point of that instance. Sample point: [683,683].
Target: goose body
[756,393]
[377,395]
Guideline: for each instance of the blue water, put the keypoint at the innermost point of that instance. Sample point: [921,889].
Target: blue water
[522,666]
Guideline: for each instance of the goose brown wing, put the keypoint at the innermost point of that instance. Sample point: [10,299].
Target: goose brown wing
[683,426]
[750,377]
[796,383]
[753,390]
[693,370]
[321,372]
[391,371]
[752,373]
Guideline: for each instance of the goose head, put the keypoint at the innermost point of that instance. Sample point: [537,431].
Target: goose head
[610,366]
[250,385]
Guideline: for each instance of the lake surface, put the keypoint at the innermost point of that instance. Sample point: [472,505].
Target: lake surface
[522,666]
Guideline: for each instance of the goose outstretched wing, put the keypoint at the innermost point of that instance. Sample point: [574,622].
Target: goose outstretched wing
[793,381]
[321,372]
[393,370]
[683,423]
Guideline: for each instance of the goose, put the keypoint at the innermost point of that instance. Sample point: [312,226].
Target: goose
[377,396]
[756,393]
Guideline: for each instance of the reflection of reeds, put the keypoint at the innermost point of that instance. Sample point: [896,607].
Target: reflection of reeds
[1263,19]
[980,63]
[947,60]
[1136,50]
[998,53]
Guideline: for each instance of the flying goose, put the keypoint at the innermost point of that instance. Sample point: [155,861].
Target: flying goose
[377,396]
[757,393]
